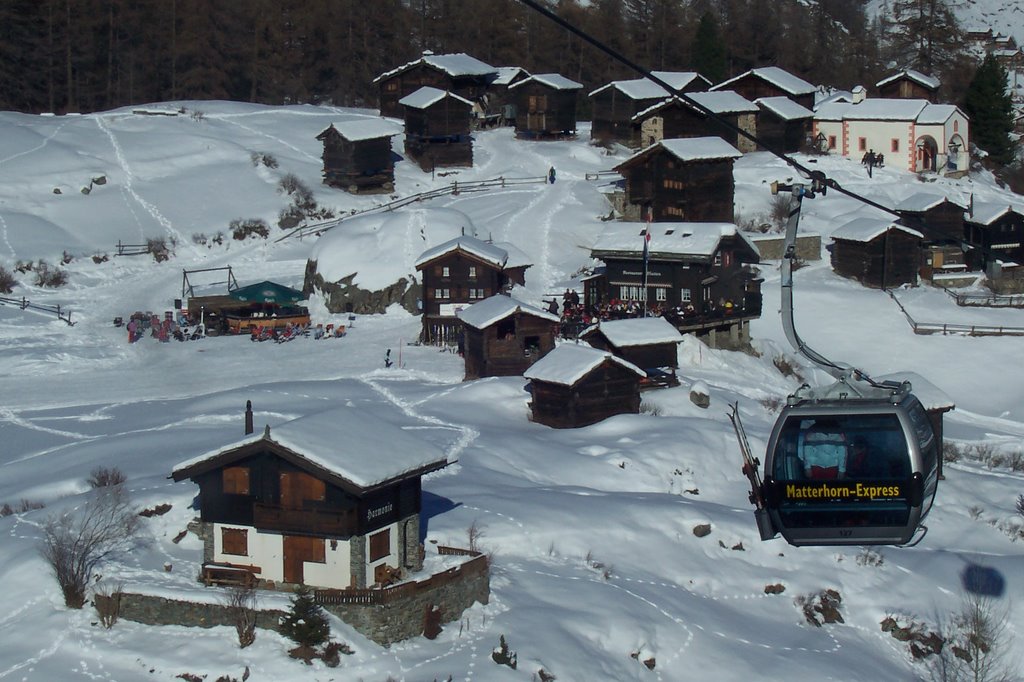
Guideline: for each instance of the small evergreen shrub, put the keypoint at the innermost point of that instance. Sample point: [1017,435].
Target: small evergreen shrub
[306,623]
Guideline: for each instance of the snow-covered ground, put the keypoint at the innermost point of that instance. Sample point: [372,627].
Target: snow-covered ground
[591,529]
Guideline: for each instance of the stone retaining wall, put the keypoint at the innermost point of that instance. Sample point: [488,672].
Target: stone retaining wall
[808,246]
[152,610]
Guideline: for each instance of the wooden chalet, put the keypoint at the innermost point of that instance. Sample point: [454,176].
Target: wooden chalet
[503,336]
[577,385]
[357,155]
[651,343]
[546,106]
[675,118]
[437,128]
[458,73]
[699,277]
[941,221]
[877,252]
[771,81]
[782,124]
[614,105]
[681,180]
[459,273]
[909,84]
[330,500]
[500,101]
[997,230]
[266,304]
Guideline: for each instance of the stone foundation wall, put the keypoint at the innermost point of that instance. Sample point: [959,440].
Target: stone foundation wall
[404,618]
[808,246]
[152,610]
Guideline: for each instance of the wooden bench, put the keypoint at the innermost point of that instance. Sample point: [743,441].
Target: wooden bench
[226,574]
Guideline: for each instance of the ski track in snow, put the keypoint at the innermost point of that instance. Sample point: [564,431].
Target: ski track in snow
[3,233]
[258,133]
[129,179]
[39,146]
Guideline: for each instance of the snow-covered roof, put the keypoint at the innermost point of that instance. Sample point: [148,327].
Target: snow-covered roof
[784,108]
[642,88]
[879,109]
[354,444]
[506,74]
[489,253]
[455,65]
[488,311]
[516,257]
[722,102]
[931,396]
[910,74]
[427,96]
[568,363]
[668,239]
[986,213]
[691,149]
[866,229]
[639,331]
[833,110]
[780,78]
[822,98]
[404,233]
[552,80]
[923,201]
[936,114]
[365,128]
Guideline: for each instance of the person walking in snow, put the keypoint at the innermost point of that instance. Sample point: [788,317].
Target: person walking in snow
[551,175]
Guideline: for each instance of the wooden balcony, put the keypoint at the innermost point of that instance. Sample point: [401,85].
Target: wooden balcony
[312,521]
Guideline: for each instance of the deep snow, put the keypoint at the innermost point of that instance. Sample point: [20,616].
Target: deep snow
[591,529]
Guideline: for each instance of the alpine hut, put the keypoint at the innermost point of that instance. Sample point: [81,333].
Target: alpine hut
[437,128]
[651,343]
[458,73]
[877,252]
[771,81]
[503,336]
[674,118]
[614,105]
[545,106]
[357,155]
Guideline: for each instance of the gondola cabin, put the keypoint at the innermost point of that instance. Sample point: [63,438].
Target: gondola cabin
[850,471]
[651,343]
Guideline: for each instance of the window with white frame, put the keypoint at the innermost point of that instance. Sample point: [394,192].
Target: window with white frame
[660,294]
[442,294]
[718,257]
[472,272]
[685,296]
[445,271]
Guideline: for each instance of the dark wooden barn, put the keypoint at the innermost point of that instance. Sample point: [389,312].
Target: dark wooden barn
[909,84]
[681,180]
[330,500]
[503,336]
[500,102]
[997,231]
[937,217]
[577,385]
[357,155]
[437,128]
[545,106]
[675,118]
[771,81]
[650,343]
[876,252]
[459,73]
[459,273]
[614,105]
[699,277]
[782,124]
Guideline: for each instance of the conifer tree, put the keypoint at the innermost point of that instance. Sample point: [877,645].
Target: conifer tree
[306,623]
[991,111]
[709,58]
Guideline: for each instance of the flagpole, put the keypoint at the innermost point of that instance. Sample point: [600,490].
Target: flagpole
[647,241]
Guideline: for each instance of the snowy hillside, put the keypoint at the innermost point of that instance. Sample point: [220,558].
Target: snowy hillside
[595,563]
[1002,16]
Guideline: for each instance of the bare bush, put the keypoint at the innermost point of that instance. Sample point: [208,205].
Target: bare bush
[76,542]
[870,557]
[264,158]
[1020,505]
[47,276]
[977,644]
[101,477]
[23,506]
[773,403]
[107,601]
[474,533]
[650,408]
[251,227]
[98,258]
[159,249]
[787,367]
[7,281]
[66,258]
[242,607]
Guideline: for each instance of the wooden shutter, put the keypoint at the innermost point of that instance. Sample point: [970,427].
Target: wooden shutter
[298,487]
[235,541]
[236,480]
[380,544]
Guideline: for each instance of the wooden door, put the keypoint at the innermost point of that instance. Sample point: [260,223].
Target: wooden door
[299,549]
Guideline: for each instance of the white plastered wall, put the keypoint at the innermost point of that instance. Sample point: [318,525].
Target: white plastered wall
[335,571]
[265,551]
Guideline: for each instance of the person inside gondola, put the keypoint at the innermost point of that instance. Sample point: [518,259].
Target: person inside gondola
[823,451]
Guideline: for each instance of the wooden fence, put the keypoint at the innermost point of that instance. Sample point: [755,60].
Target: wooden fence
[987,300]
[25,304]
[945,328]
[132,249]
[454,188]
[387,595]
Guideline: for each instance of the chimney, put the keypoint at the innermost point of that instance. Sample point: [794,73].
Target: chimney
[859,94]
[248,417]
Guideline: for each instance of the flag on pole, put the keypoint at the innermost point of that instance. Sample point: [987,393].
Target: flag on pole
[970,206]
[647,241]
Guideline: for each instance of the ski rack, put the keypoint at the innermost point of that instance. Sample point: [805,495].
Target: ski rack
[751,465]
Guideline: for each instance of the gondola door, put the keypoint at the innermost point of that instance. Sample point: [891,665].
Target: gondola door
[297,551]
